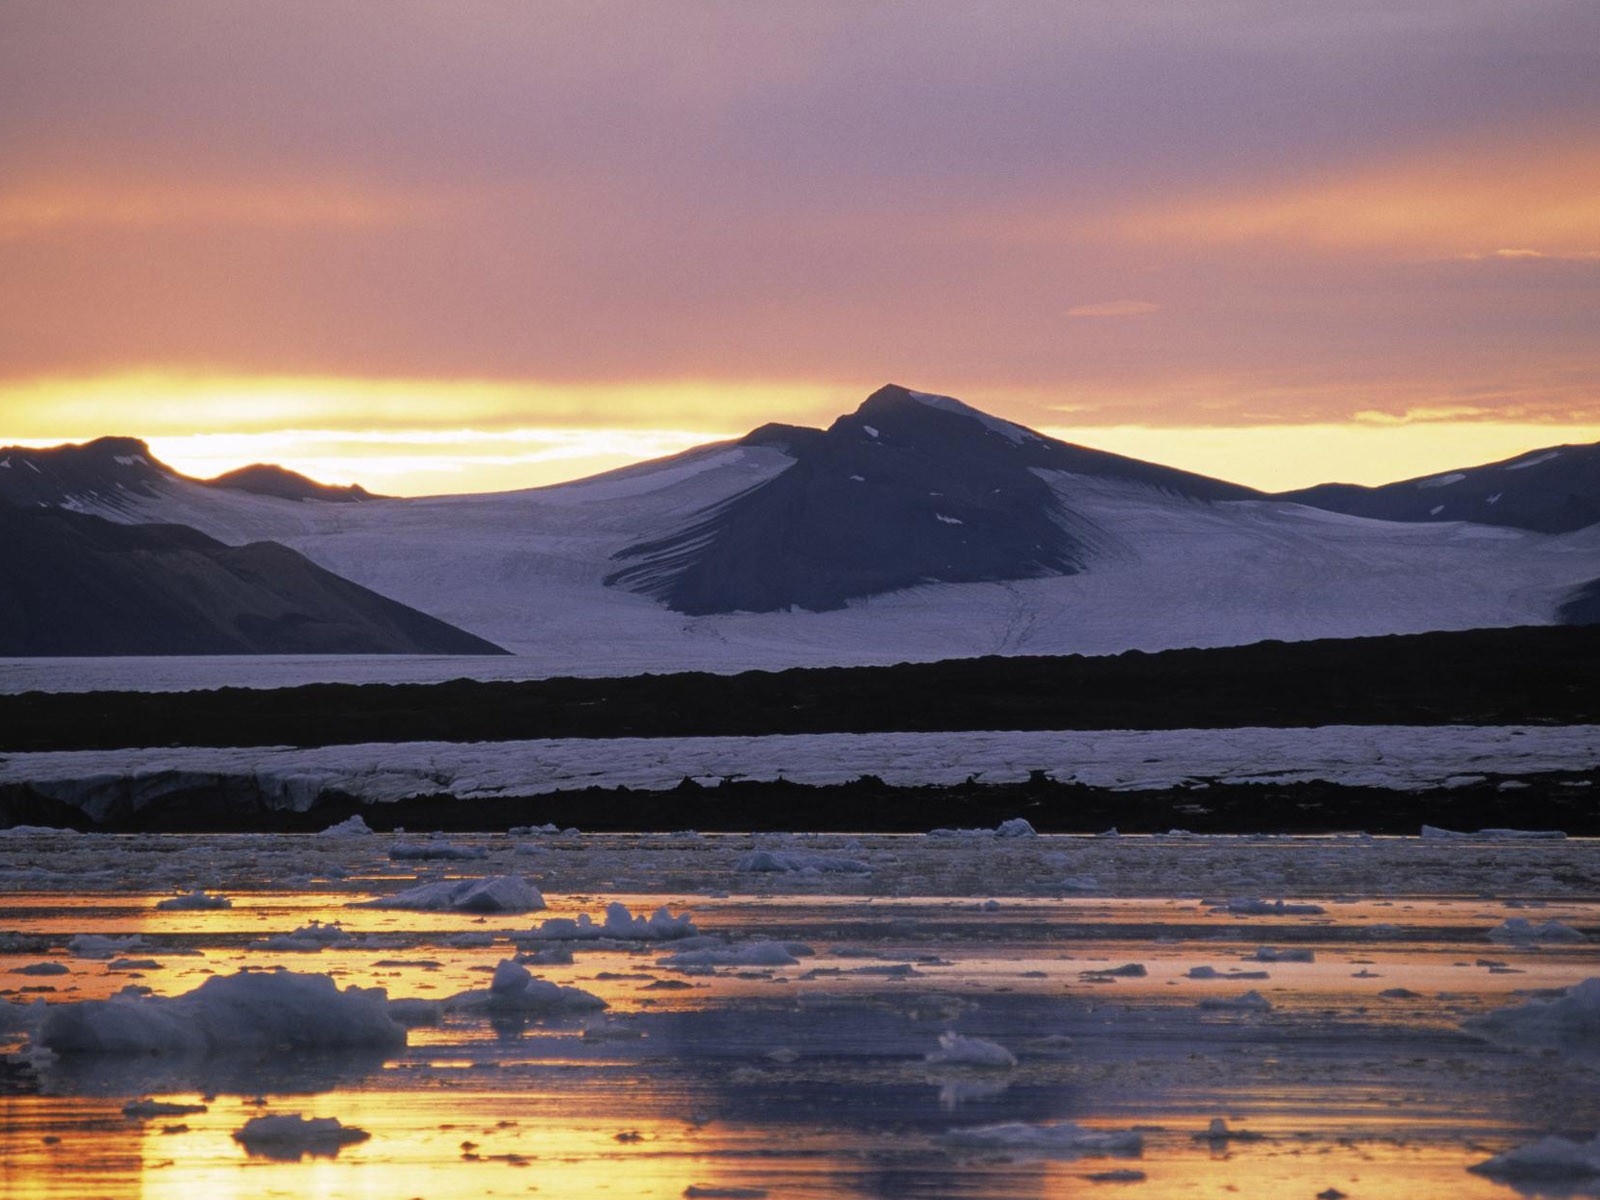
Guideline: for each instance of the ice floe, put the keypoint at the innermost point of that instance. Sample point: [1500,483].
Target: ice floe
[516,990]
[248,1011]
[196,901]
[618,923]
[1552,1159]
[751,954]
[494,894]
[797,860]
[1570,1021]
[1520,929]
[956,1050]
[291,1135]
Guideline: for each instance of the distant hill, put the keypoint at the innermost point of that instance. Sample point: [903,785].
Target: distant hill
[266,479]
[82,585]
[1554,490]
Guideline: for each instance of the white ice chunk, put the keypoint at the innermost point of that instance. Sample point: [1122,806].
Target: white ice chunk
[954,1049]
[1520,929]
[290,1135]
[1550,1158]
[796,860]
[256,1011]
[515,989]
[195,901]
[751,954]
[352,826]
[1570,1021]
[494,894]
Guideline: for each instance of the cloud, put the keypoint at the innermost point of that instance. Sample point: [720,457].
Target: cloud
[1114,308]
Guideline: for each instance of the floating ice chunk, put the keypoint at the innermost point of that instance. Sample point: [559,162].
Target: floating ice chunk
[1433,832]
[1213,973]
[435,850]
[94,945]
[146,1109]
[1275,954]
[195,901]
[751,954]
[493,894]
[1570,1021]
[289,1136]
[308,939]
[1245,906]
[412,1012]
[1550,1158]
[515,989]
[1125,971]
[1218,1131]
[1078,883]
[1520,929]
[619,923]
[30,830]
[796,860]
[1251,1001]
[1016,827]
[706,1192]
[550,956]
[352,826]
[42,968]
[1065,1140]
[956,1050]
[248,1011]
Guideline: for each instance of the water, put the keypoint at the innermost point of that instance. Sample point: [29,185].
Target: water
[813,1080]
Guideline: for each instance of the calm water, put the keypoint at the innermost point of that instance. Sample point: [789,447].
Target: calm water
[813,1080]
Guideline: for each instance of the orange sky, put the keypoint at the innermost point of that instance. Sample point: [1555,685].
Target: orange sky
[440,248]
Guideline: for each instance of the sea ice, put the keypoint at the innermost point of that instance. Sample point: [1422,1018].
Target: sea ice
[1246,906]
[516,990]
[195,901]
[1570,1021]
[619,923]
[494,894]
[751,954]
[1550,1158]
[1520,929]
[956,1050]
[794,860]
[248,1011]
[1251,1001]
[434,850]
[290,1135]
[352,826]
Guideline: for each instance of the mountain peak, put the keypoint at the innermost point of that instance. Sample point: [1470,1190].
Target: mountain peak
[269,479]
[107,469]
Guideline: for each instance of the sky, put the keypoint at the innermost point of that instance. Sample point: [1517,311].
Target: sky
[475,244]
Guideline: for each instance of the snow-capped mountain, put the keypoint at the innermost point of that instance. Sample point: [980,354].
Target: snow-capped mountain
[1554,490]
[913,528]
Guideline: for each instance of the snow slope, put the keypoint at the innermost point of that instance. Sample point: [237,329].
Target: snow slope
[1161,569]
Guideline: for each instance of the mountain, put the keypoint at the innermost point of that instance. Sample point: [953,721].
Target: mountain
[83,585]
[914,528]
[266,479]
[909,489]
[1554,490]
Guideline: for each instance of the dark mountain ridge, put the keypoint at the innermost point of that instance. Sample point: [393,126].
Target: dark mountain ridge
[908,489]
[82,585]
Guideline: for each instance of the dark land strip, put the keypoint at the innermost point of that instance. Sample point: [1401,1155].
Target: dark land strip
[1529,675]
[1565,801]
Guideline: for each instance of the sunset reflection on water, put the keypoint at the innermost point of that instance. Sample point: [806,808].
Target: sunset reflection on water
[812,1079]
